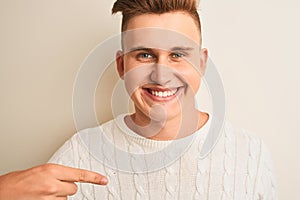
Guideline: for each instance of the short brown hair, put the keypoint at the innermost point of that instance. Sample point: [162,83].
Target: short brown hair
[132,8]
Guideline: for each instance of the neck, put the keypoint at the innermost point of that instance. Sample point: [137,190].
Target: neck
[174,128]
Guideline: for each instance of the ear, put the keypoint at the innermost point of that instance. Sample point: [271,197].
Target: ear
[203,60]
[120,63]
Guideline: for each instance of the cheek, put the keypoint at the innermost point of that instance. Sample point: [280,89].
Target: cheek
[195,83]
[135,76]
[192,78]
[136,98]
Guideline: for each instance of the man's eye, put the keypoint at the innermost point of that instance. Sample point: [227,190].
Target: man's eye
[144,55]
[177,55]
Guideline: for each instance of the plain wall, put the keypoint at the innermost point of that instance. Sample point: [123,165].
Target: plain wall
[254,45]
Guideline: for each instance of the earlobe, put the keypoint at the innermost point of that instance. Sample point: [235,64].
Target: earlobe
[203,60]
[120,63]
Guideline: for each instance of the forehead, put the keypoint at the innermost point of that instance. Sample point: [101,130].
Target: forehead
[161,31]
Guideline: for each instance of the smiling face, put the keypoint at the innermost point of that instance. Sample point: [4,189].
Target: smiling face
[162,64]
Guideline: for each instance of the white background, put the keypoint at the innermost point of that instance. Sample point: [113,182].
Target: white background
[254,45]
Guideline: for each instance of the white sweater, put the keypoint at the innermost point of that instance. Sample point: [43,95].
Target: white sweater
[238,167]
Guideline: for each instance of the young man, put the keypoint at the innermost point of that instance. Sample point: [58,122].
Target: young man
[154,152]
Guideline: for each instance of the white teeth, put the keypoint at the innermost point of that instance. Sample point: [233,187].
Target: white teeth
[163,94]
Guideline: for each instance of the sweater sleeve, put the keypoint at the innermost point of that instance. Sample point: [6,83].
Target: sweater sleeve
[266,186]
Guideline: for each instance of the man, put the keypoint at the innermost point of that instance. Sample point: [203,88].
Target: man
[153,153]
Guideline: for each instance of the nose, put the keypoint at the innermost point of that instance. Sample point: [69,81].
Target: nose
[161,72]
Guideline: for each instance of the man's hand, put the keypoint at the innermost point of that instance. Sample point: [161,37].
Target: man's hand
[49,181]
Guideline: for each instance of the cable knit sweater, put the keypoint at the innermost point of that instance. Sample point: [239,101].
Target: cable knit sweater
[238,167]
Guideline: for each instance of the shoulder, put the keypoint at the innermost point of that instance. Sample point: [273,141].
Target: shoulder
[241,138]
[77,146]
[240,145]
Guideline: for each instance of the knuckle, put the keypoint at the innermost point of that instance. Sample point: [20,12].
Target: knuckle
[49,168]
[82,176]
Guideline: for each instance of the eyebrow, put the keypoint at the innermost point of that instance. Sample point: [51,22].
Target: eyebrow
[182,48]
[177,48]
[139,48]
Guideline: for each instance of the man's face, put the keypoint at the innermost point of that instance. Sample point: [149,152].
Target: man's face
[162,63]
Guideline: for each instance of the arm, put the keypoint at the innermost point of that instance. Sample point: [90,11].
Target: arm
[49,181]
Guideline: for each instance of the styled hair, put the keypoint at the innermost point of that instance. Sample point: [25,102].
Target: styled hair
[132,8]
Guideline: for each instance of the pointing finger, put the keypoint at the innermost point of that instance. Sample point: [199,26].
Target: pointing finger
[70,174]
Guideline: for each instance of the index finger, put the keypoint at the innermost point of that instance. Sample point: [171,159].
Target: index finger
[70,174]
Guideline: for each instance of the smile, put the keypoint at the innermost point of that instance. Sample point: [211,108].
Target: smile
[159,93]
